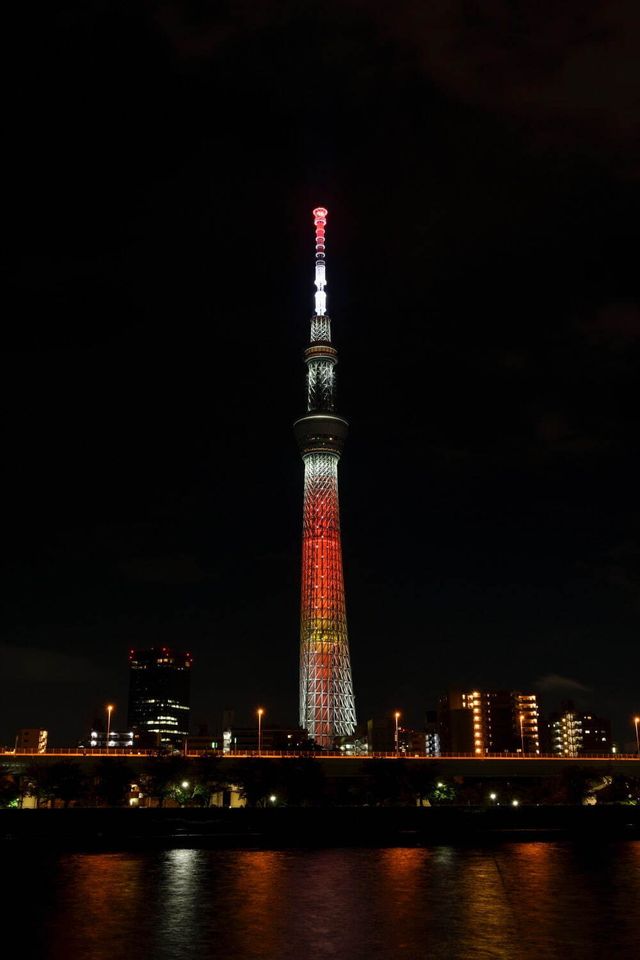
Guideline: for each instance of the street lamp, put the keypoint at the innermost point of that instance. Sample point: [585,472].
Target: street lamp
[260,712]
[397,716]
[636,721]
[185,784]
[109,712]
[493,796]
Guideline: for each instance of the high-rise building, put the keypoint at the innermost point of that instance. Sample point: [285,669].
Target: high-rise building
[596,734]
[573,733]
[489,721]
[327,706]
[455,723]
[159,695]
[565,731]
[432,734]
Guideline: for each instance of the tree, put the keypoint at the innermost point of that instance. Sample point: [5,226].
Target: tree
[620,789]
[163,777]
[207,780]
[113,782]
[63,781]
[576,783]
[388,783]
[9,788]
[33,782]
[442,792]
[301,782]
[258,780]
[421,780]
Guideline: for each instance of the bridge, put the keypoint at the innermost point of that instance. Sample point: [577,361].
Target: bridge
[340,764]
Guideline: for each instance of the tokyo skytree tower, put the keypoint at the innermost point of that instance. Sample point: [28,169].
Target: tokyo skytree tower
[327,707]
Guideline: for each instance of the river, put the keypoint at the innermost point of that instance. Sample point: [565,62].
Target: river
[508,900]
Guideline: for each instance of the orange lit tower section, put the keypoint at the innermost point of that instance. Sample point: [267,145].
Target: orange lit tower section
[327,707]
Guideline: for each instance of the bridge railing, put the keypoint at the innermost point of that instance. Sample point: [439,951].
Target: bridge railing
[285,754]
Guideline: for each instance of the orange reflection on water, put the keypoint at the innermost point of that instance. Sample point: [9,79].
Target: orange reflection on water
[104,894]
[401,869]
[404,912]
[490,926]
[256,885]
[589,881]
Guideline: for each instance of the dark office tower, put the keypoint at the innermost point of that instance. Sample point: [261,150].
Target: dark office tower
[159,691]
[327,707]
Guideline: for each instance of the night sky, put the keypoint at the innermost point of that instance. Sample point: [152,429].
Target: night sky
[481,167]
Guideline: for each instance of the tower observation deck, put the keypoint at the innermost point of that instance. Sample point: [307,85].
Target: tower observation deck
[327,707]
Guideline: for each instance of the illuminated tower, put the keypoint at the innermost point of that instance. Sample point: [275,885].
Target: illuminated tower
[327,707]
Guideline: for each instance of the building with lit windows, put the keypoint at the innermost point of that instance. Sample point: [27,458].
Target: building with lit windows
[573,733]
[431,734]
[159,696]
[565,732]
[596,734]
[31,740]
[117,740]
[484,722]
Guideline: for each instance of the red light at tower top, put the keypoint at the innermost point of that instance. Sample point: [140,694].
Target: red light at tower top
[320,221]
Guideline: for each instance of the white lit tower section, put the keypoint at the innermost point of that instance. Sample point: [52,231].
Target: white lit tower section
[327,707]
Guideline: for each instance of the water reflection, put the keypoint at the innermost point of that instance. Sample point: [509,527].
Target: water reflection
[257,904]
[490,924]
[544,901]
[575,901]
[178,889]
[98,899]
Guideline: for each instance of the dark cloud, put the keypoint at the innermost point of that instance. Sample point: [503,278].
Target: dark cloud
[199,30]
[614,325]
[554,683]
[567,72]
[620,566]
[555,434]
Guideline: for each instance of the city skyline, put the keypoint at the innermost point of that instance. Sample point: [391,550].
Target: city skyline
[485,271]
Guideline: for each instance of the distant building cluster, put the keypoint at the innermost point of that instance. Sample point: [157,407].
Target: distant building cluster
[491,723]
[469,722]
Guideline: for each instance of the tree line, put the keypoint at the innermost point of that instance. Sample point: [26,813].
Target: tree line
[299,782]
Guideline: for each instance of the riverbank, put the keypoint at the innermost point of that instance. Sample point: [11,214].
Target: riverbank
[114,829]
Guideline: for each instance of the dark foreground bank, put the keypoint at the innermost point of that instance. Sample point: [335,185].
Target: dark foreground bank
[304,827]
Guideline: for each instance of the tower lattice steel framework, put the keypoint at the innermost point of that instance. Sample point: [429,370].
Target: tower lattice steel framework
[327,707]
